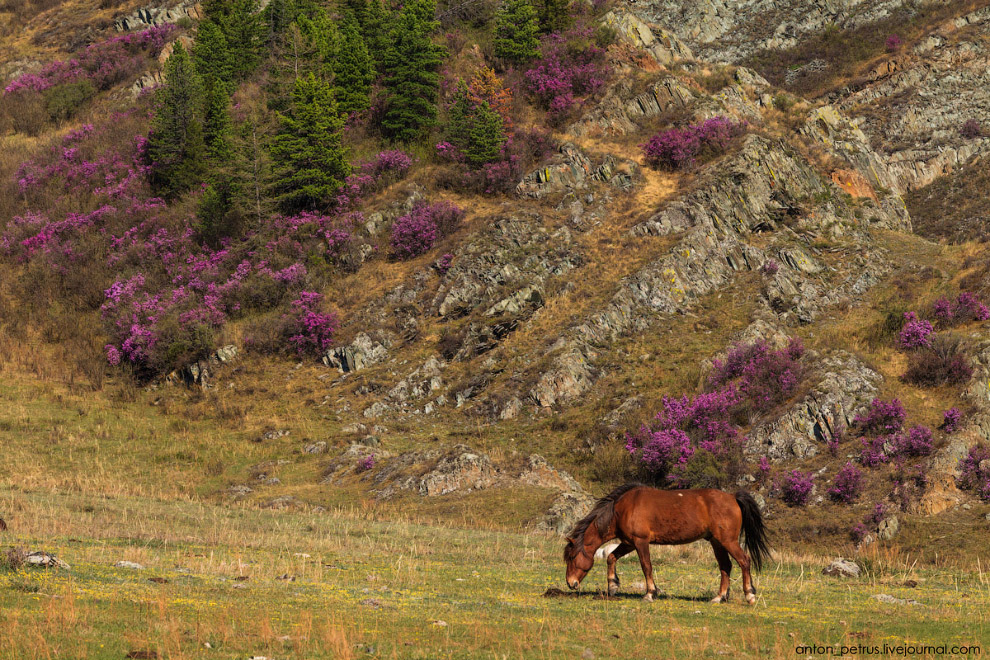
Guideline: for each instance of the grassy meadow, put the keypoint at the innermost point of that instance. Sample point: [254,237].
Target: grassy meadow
[241,583]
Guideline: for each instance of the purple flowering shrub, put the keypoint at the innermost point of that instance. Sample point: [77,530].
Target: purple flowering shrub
[679,148]
[951,420]
[419,230]
[312,330]
[104,64]
[570,66]
[916,333]
[918,441]
[965,308]
[858,532]
[797,488]
[893,43]
[971,129]
[770,268]
[366,463]
[848,484]
[944,362]
[883,418]
[765,377]
[387,166]
[974,469]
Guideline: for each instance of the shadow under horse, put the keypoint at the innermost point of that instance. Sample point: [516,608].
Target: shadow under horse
[639,516]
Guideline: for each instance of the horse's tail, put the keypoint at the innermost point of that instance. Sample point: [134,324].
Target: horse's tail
[756,532]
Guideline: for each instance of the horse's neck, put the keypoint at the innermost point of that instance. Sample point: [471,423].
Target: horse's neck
[593,540]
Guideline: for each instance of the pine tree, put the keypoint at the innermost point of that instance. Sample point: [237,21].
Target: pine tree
[411,68]
[486,136]
[212,55]
[353,69]
[243,28]
[216,121]
[176,149]
[310,160]
[554,15]
[459,118]
[517,29]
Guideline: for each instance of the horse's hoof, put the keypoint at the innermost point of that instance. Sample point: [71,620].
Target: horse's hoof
[648,598]
[751,599]
[613,588]
[718,600]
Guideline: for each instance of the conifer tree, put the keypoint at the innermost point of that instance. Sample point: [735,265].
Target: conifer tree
[459,118]
[486,136]
[212,55]
[517,31]
[310,161]
[554,14]
[411,70]
[353,68]
[216,121]
[242,27]
[176,150]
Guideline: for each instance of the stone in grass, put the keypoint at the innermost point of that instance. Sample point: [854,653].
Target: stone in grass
[842,568]
[129,564]
[891,600]
[45,560]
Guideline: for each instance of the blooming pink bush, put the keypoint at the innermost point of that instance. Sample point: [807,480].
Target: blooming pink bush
[883,417]
[765,377]
[770,268]
[918,441]
[848,484]
[951,420]
[971,129]
[392,164]
[974,471]
[105,63]
[679,148]
[893,43]
[570,66]
[420,229]
[916,333]
[313,330]
[797,488]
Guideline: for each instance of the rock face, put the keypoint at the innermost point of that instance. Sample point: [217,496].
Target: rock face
[362,352]
[660,43]
[572,170]
[160,15]
[916,109]
[459,470]
[729,30]
[621,109]
[845,389]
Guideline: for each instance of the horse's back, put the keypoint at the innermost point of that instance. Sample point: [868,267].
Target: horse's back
[674,516]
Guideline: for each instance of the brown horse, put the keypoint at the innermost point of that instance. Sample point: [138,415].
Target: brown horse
[638,515]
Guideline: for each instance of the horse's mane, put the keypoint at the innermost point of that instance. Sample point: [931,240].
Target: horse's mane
[601,515]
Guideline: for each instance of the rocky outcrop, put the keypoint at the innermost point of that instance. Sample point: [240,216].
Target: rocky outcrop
[660,43]
[160,15]
[572,170]
[844,389]
[623,108]
[360,353]
[916,110]
[201,372]
[727,31]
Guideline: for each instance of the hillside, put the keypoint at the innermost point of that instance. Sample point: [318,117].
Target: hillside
[470,265]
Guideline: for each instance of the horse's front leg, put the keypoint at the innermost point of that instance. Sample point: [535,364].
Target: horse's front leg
[619,552]
[643,550]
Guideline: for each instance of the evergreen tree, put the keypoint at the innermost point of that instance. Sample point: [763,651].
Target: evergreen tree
[554,15]
[353,69]
[310,161]
[486,136]
[459,118]
[411,68]
[216,121]
[516,32]
[244,31]
[375,24]
[211,53]
[176,149]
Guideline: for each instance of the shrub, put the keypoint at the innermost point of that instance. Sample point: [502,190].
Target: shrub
[951,420]
[848,484]
[766,377]
[915,333]
[944,362]
[678,148]
[420,229]
[312,331]
[366,463]
[969,308]
[971,129]
[974,469]
[388,166]
[917,442]
[883,417]
[770,268]
[893,43]
[858,532]
[569,66]
[873,453]
[797,488]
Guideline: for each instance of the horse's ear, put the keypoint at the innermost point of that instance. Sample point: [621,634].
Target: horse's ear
[570,540]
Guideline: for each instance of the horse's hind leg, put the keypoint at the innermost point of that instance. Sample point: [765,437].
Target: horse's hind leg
[619,552]
[643,550]
[725,568]
[743,560]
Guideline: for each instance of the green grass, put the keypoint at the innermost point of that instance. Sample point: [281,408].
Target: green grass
[371,589]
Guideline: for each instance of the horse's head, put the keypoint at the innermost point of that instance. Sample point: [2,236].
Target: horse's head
[578,561]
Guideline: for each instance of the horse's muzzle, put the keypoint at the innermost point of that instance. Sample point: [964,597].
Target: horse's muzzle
[574,585]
